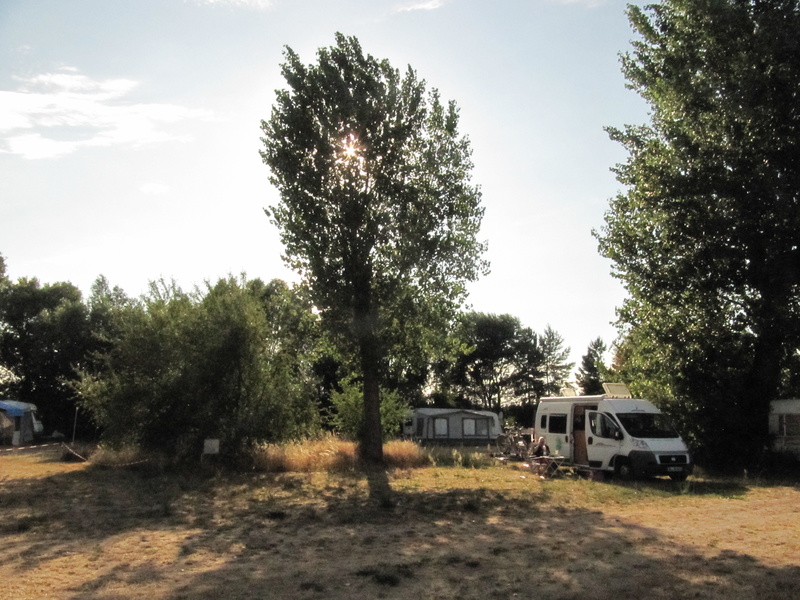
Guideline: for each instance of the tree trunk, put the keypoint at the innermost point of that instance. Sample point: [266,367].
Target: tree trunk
[371,443]
[371,435]
[761,388]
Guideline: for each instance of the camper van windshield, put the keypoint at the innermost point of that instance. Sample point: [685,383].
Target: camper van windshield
[647,425]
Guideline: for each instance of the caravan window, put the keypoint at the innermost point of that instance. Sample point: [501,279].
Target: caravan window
[558,424]
[789,425]
[543,423]
[476,427]
[440,427]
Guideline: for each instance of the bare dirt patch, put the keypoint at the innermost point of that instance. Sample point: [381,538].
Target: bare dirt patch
[71,531]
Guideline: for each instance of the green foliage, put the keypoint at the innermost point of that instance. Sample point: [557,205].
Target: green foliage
[377,211]
[224,364]
[592,372]
[705,236]
[7,379]
[501,363]
[556,368]
[44,335]
[347,417]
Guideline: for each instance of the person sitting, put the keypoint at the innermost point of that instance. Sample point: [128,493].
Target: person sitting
[541,448]
[540,451]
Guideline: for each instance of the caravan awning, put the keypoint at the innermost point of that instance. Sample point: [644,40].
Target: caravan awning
[13,408]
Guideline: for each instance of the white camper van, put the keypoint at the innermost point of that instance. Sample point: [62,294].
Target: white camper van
[613,432]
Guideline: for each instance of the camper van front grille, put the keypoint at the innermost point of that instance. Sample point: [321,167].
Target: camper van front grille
[672,459]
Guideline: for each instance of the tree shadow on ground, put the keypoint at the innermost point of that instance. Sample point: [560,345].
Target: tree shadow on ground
[458,545]
[380,490]
[281,536]
[726,488]
[87,507]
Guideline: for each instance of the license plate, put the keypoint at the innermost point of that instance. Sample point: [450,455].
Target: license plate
[674,469]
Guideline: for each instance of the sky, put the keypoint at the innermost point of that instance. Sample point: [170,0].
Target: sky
[130,137]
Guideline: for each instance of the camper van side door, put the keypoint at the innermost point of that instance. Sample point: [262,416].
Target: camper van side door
[603,439]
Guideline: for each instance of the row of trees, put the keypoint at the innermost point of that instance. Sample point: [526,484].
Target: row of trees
[239,360]
[379,217]
[506,363]
[705,235]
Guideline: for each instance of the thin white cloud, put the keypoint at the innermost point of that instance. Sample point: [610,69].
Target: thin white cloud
[423,5]
[252,4]
[54,114]
[34,146]
[587,3]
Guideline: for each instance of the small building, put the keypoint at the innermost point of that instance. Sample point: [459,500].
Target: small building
[452,426]
[16,423]
[784,426]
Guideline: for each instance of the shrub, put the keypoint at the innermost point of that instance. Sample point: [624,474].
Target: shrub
[348,410]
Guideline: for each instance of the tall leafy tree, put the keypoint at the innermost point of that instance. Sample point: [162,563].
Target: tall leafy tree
[705,235]
[44,337]
[377,210]
[590,373]
[555,365]
[7,376]
[502,361]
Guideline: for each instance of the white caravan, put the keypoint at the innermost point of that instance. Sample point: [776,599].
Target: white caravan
[784,426]
[452,426]
[613,432]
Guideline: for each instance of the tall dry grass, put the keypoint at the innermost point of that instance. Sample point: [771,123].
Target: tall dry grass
[458,457]
[331,453]
[102,456]
[325,453]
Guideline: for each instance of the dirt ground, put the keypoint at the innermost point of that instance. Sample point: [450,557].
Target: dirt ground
[69,531]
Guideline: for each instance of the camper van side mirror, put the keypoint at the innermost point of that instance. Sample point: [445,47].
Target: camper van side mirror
[617,434]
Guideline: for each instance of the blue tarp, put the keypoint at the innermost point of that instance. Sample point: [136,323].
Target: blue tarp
[18,428]
[13,408]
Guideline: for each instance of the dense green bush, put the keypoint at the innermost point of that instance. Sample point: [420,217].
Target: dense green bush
[220,364]
[347,418]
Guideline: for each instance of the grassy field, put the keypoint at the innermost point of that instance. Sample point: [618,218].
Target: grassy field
[442,526]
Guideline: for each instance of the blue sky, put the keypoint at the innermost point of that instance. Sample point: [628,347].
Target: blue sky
[129,136]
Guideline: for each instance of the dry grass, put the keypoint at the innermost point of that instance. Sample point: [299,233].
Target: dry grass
[332,454]
[328,453]
[71,531]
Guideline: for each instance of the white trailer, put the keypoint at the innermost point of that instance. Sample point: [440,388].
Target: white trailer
[784,426]
[613,432]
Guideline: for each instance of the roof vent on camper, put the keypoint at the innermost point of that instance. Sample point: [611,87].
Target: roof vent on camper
[568,391]
[617,390]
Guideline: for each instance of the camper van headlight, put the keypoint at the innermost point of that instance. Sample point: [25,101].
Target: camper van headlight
[640,444]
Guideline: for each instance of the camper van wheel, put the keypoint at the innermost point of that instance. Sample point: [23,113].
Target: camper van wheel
[623,469]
